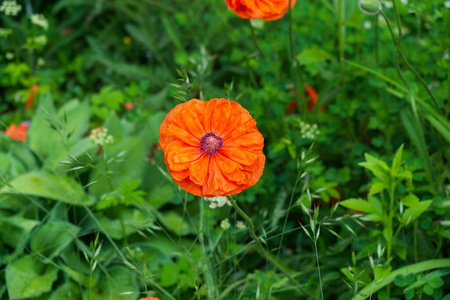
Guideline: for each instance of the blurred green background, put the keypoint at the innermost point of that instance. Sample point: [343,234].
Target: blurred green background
[89,218]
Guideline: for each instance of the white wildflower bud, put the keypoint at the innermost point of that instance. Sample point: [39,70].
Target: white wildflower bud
[100,136]
[225,224]
[240,225]
[9,55]
[371,7]
[10,8]
[39,20]
[5,32]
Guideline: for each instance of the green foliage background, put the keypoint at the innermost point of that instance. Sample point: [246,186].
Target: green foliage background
[80,220]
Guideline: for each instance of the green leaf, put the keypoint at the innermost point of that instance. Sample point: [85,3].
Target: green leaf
[45,185]
[50,239]
[67,291]
[16,230]
[313,55]
[410,269]
[441,125]
[169,274]
[27,277]
[413,213]
[376,188]
[121,221]
[427,278]
[116,280]
[77,118]
[397,161]
[378,168]
[411,200]
[358,204]
[428,290]
[176,223]
[402,280]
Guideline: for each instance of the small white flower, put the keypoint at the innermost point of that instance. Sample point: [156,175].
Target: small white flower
[10,8]
[367,24]
[39,20]
[9,55]
[100,136]
[308,131]
[5,32]
[388,4]
[225,224]
[447,4]
[40,40]
[240,225]
[218,201]
[40,62]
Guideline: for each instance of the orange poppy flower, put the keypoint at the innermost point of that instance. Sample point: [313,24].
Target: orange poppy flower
[18,132]
[212,148]
[31,93]
[149,298]
[267,10]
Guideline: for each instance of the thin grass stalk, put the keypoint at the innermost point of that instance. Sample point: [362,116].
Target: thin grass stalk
[318,267]
[262,251]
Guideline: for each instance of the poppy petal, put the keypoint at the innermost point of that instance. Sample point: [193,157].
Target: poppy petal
[183,135]
[199,169]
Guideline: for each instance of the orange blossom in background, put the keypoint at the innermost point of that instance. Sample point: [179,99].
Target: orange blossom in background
[18,132]
[212,148]
[267,10]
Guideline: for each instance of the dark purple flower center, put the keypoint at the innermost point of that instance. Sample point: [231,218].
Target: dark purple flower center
[211,143]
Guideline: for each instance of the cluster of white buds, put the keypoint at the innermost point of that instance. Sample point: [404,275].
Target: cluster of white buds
[5,32]
[225,224]
[9,55]
[39,20]
[10,7]
[218,201]
[240,225]
[309,131]
[100,136]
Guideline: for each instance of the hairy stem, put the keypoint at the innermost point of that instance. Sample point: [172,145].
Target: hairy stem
[296,62]
[255,41]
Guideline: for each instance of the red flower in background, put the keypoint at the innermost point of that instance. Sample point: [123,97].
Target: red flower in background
[31,93]
[149,298]
[311,96]
[18,132]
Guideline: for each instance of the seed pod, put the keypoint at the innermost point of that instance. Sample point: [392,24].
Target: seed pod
[371,7]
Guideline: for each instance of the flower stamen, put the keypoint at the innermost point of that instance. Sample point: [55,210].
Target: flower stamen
[211,143]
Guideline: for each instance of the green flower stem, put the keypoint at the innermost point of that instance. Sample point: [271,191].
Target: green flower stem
[341,39]
[397,43]
[209,278]
[411,269]
[297,74]
[411,95]
[318,268]
[255,41]
[377,52]
[262,251]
